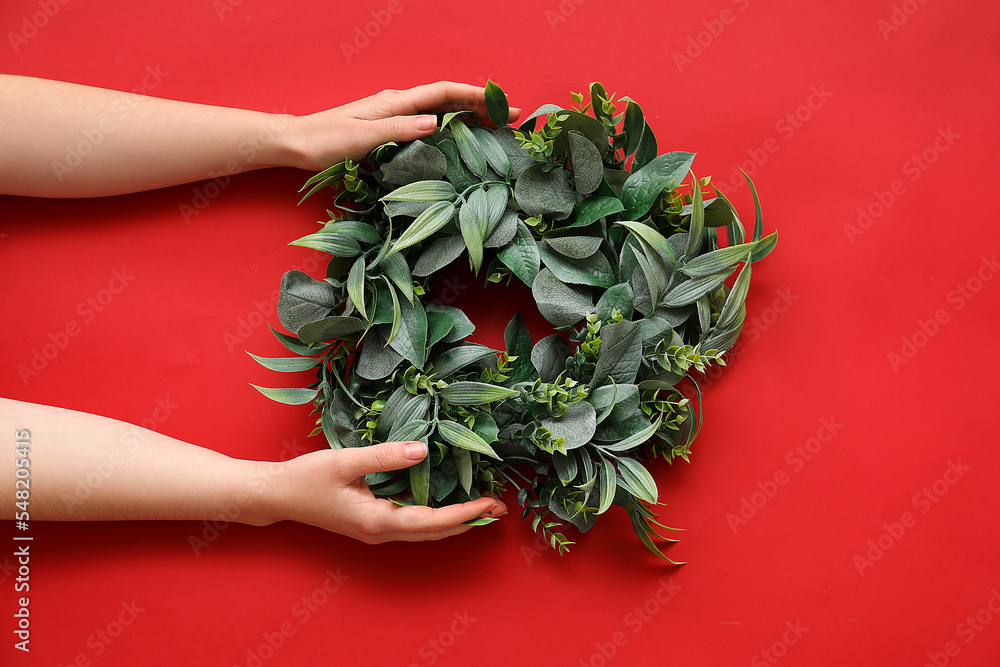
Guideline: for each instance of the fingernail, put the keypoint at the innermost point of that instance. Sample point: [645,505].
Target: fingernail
[426,123]
[415,451]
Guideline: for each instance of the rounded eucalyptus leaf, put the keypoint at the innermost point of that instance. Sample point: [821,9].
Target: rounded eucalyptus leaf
[576,426]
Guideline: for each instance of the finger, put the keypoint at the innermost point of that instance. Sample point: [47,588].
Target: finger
[417,523]
[361,461]
[432,97]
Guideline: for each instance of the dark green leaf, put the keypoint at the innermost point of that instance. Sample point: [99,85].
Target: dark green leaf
[643,187]
[295,345]
[735,300]
[646,149]
[632,127]
[517,340]
[549,356]
[620,355]
[420,481]
[594,270]
[504,231]
[655,239]
[356,286]
[286,364]
[764,247]
[439,254]
[559,303]
[574,247]
[496,104]
[455,359]
[469,147]
[439,325]
[457,172]
[518,157]
[463,462]
[619,296]
[587,165]
[593,209]
[412,339]
[494,153]
[417,161]
[717,261]
[463,325]
[394,266]
[521,255]
[528,124]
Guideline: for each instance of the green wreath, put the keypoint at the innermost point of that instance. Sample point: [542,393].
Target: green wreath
[622,258]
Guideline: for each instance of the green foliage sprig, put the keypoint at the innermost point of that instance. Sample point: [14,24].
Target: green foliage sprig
[623,258]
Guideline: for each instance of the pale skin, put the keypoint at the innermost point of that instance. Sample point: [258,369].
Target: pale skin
[149,143]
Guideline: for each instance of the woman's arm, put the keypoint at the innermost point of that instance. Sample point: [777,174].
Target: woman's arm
[66,140]
[86,467]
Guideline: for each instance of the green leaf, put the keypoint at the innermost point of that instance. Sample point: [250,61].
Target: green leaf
[638,479]
[696,231]
[566,466]
[576,425]
[496,205]
[645,152]
[439,325]
[411,342]
[518,157]
[632,127]
[438,254]
[295,345]
[690,291]
[717,261]
[469,218]
[594,270]
[417,161]
[619,296]
[764,247]
[332,243]
[330,328]
[492,151]
[758,220]
[286,364]
[540,192]
[549,356]
[574,247]
[475,393]
[593,208]
[504,231]
[586,125]
[434,218]
[527,123]
[356,286]
[521,255]
[294,396]
[517,340]
[420,481]
[464,438]
[644,186]
[735,300]
[456,171]
[302,300]
[559,303]
[655,239]
[463,461]
[463,325]
[620,355]
[361,232]
[436,191]
[634,440]
[469,147]
[587,165]
[398,271]
[455,359]
[496,104]
[607,486]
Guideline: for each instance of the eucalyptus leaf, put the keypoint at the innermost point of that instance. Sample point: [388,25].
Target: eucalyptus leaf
[463,325]
[594,270]
[644,186]
[549,356]
[438,254]
[540,192]
[587,165]
[559,303]
[504,231]
[415,162]
[302,300]
[518,157]
[521,255]
[576,426]
[377,360]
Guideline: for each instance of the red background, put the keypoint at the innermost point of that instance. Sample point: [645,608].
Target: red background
[163,348]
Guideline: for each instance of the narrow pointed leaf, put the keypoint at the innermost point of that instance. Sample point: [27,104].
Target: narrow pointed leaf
[463,437]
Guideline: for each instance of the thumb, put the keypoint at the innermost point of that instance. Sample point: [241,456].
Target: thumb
[383,457]
[404,128]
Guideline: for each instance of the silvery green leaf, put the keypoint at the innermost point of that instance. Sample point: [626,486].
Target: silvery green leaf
[517,340]
[410,209]
[527,124]
[447,118]
[655,280]
[302,300]
[460,436]
[411,342]
[574,247]
[519,158]
[704,308]
[420,481]
[286,364]
[620,355]
[764,247]
[455,359]
[593,208]
[504,231]
[615,401]
[646,150]
[566,509]
[758,220]
[295,345]
[434,218]
[394,266]
[413,409]
[457,172]
[576,426]
[689,291]
[355,229]
[413,430]
[618,296]
[356,286]
[496,104]
[616,431]
[736,298]
[469,147]
[390,412]
[492,151]
[521,254]
[638,479]
[634,440]
[643,300]
[416,161]
[377,360]
[566,466]
[644,186]
[496,204]
[438,254]
[338,421]
[292,396]
[594,270]
[463,462]
[436,191]
[717,261]
[559,303]
[696,224]
[474,393]
[654,238]
[333,243]
[540,192]
[384,297]
[439,325]
[587,125]
[724,339]
[463,325]
[587,165]
[607,487]
[655,328]
[469,217]
[549,356]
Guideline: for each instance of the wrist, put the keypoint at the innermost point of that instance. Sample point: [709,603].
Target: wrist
[287,145]
[257,498]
